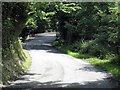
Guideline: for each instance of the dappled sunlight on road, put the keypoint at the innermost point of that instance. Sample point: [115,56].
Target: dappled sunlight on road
[50,68]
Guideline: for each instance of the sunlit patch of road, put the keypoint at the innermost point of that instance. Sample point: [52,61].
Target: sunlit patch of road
[50,68]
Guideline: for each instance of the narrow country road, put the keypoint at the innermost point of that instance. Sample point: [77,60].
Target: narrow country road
[51,69]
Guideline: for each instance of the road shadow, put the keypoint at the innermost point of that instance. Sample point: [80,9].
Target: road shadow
[91,68]
[49,48]
[26,76]
[43,43]
[32,85]
[58,84]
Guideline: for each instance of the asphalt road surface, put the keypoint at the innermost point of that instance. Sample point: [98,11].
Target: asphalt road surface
[52,69]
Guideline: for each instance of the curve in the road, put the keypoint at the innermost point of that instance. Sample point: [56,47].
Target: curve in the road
[51,69]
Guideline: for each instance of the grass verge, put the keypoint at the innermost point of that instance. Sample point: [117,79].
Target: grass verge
[102,63]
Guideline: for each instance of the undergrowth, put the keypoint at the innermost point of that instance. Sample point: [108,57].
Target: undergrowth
[12,68]
[104,64]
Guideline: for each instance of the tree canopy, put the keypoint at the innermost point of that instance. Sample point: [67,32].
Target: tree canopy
[89,28]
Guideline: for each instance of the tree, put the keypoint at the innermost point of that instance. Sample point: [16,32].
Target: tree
[14,16]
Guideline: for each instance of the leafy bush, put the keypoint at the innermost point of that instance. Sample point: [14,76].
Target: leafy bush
[13,56]
[89,47]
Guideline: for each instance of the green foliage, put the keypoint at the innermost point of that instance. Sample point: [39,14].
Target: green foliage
[92,29]
[13,67]
[104,64]
[14,59]
[87,28]
[30,28]
[38,20]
